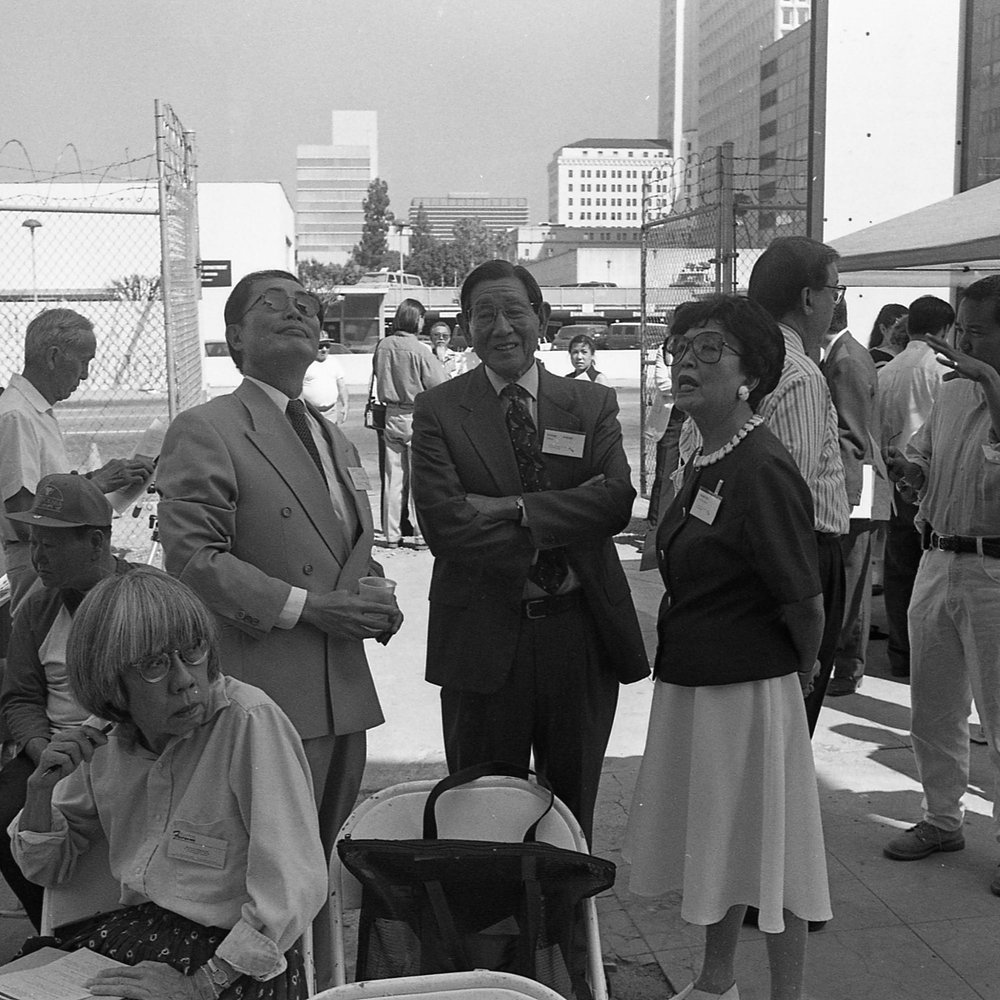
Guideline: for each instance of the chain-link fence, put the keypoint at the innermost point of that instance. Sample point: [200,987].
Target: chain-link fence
[705,223]
[94,242]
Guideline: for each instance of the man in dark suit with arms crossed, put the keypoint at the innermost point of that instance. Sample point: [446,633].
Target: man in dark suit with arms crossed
[521,482]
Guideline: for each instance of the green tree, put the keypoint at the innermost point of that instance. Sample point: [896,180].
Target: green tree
[368,254]
[474,243]
[318,277]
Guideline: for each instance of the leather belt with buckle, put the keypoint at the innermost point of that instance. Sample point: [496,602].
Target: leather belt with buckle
[962,543]
[537,608]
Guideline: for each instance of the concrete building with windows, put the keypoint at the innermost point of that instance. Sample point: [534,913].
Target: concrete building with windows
[598,182]
[495,213]
[980,150]
[710,68]
[330,185]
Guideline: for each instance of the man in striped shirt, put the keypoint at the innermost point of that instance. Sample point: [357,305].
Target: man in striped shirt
[796,281]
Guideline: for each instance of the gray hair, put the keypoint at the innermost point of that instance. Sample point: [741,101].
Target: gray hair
[127,618]
[62,328]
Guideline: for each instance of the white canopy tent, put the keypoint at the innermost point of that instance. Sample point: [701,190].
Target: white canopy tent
[950,243]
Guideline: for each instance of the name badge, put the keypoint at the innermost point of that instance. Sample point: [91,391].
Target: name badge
[197,848]
[706,506]
[359,478]
[568,443]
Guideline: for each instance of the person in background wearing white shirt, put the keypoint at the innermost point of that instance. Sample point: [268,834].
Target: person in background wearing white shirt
[907,388]
[323,386]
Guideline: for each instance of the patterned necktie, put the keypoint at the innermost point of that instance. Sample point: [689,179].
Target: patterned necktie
[296,413]
[550,568]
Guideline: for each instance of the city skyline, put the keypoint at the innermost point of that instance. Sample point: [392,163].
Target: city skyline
[468,100]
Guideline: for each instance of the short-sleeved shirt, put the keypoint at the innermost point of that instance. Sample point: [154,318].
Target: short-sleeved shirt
[720,620]
[31,444]
[319,385]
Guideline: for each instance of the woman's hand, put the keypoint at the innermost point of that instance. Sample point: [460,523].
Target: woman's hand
[806,678]
[149,981]
[64,754]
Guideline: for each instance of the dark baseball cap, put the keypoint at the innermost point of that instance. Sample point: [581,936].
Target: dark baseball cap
[66,500]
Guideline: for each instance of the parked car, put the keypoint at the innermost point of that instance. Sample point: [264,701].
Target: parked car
[596,331]
[387,277]
[628,336]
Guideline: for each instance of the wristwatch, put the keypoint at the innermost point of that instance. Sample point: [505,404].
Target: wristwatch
[519,503]
[217,976]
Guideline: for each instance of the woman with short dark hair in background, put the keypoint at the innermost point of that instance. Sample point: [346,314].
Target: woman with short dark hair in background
[203,793]
[582,351]
[884,340]
[726,809]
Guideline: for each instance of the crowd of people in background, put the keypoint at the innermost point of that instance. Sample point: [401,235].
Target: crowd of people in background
[209,722]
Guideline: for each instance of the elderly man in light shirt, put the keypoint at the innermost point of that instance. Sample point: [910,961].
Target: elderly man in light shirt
[953,462]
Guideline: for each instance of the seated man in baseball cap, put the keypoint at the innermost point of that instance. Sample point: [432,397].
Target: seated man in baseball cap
[70,527]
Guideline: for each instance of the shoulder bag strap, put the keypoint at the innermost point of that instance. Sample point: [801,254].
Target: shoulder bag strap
[469,774]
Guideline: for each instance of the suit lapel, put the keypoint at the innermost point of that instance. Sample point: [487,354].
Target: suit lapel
[555,400]
[272,435]
[486,428]
[343,457]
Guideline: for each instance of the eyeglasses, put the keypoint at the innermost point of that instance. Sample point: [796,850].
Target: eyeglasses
[155,668]
[707,346]
[838,292]
[278,300]
[486,313]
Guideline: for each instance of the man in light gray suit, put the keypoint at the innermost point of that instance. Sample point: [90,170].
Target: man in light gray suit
[265,514]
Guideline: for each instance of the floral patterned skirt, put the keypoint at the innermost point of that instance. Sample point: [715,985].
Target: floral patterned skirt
[148,933]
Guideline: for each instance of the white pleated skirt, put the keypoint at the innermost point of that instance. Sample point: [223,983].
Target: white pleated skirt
[726,808]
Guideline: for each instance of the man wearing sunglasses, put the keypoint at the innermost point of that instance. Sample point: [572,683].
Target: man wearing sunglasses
[796,281]
[69,528]
[265,514]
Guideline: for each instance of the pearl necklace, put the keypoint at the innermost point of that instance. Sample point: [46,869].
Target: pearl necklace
[700,462]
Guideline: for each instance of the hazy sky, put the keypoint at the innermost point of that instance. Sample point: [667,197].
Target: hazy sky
[471,95]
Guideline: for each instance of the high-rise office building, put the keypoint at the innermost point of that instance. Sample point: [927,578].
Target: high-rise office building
[598,182]
[980,150]
[330,185]
[500,214]
[710,68]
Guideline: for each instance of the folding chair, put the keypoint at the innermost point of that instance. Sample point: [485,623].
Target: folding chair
[478,985]
[491,808]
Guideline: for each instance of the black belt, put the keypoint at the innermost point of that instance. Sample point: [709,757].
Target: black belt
[536,608]
[961,543]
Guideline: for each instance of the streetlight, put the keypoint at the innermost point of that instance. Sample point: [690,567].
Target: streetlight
[400,226]
[31,225]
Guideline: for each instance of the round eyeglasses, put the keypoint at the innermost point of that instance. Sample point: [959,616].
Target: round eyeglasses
[154,668]
[707,347]
[278,300]
[838,292]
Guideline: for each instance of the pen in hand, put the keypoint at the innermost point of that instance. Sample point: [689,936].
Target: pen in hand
[58,767]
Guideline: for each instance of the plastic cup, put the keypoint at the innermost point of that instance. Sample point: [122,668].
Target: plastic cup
[377,588]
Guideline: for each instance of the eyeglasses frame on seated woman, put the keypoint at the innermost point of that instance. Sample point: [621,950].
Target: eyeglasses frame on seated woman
[154,668]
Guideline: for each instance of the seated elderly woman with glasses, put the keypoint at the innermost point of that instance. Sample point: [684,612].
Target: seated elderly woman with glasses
[201,789]
[726,809]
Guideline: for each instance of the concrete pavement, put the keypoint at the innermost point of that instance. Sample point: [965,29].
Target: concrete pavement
[901,930]
[922,930]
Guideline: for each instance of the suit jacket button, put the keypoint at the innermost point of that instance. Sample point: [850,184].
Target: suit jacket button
[286,511]
[241,615]
[307,569]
